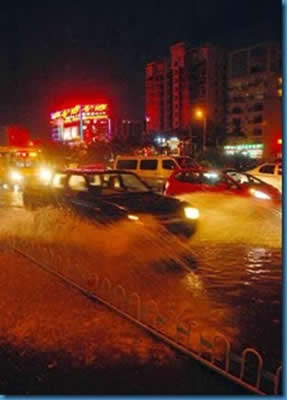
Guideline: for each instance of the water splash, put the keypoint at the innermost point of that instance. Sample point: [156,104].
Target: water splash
[231,219]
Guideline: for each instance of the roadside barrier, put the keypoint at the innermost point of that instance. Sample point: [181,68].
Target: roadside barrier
[216,353]
[259,365]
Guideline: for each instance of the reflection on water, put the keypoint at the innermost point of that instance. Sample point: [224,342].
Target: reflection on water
[248,281]
[237,251]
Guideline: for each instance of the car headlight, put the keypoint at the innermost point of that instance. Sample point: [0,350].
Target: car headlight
[45,174]
[259,194]
[133,217]
[191,213]
[16,176]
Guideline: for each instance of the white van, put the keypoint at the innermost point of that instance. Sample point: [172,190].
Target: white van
[155,170]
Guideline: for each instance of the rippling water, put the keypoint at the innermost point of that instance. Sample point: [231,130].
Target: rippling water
[248,281]
[238,256]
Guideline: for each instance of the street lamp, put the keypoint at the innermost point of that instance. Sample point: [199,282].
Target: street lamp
[200,115]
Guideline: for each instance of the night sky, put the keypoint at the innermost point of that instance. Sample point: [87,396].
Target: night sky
[57,55]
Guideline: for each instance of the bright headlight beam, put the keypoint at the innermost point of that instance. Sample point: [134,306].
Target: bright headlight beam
[45,174]
[133,217]
[259,194]
[15,176]
[191,213]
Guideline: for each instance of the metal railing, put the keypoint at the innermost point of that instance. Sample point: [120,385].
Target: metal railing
[216,354]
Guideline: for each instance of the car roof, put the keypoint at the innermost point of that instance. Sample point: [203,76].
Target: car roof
[198,169]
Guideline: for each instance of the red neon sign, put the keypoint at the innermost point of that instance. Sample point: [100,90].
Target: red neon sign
[73,113]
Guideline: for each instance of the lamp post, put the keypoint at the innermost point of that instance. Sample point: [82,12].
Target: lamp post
[200,115]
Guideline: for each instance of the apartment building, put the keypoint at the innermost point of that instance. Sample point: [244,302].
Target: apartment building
[254,96]
[188,79]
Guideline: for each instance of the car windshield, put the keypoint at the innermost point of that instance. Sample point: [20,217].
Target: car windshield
[243,178]
[110,183]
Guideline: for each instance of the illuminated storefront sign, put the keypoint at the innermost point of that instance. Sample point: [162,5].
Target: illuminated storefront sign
[254,151]
[88,123]
[87,111]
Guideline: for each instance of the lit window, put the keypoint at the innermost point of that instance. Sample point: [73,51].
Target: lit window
[279,92]
[77,183]
[59,181]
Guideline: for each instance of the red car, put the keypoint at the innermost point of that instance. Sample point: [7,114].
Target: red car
[225,181]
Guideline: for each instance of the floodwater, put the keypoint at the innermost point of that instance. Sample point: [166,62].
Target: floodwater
[238,254]
[227,278]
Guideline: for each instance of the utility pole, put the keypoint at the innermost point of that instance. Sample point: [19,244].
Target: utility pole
[204,132]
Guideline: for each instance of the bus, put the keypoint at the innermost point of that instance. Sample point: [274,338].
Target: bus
[17,164]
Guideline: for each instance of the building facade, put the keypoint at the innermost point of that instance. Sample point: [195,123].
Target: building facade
[238,93]
[188,79]
[254,96]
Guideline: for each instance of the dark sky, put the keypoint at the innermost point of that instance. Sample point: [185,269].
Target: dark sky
[54,55]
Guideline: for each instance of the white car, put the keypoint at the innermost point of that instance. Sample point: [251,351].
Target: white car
[271,173]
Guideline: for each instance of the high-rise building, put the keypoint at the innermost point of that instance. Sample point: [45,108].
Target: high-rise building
[239,92]
[254,98]
[158,96]
[188,79]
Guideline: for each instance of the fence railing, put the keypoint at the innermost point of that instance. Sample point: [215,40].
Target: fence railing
[216,354]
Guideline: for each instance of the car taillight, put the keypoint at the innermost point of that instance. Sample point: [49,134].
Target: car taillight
[167,185]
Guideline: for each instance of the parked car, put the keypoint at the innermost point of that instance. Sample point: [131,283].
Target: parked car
[110,195]
[271,173]
[155,170]
[228,181]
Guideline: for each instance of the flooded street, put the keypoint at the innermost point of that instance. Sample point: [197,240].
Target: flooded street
[227,279]
[248,281]
[238,254]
